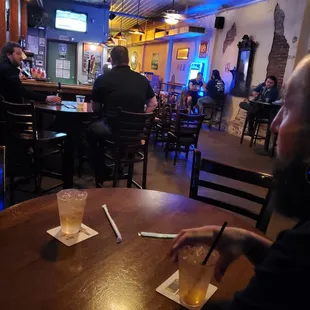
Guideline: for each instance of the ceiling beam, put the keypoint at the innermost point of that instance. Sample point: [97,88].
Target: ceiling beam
[129,15]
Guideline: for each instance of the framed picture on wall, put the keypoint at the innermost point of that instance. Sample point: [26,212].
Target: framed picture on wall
[154,61]
[203,49]
[182,53]
[89,51]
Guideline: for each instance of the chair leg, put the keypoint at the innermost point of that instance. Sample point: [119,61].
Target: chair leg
[221,116]
[12,200]
[176,154]
[187,151]
[167,149]
[116,168]
[243,130]
[130,175]
[255,132]
[145,168]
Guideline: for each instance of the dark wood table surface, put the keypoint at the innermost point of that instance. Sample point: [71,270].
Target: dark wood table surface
[69,120]
[39,272]
[65,106]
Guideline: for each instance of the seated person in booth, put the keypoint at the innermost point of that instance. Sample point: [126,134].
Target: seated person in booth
[194,87]
[282,268]
[11,88]
[266,92]
[213,88]
[121,87]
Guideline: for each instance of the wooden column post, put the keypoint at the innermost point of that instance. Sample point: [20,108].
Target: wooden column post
[24,20]
[14,20]
[2,24]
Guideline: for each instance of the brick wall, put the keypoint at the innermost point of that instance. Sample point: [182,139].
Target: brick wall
[280,48]
[230,37]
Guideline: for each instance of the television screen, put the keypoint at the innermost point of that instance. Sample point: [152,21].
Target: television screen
[72,21]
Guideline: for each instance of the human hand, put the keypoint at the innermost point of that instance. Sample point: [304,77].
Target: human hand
[53,99]
[232,244]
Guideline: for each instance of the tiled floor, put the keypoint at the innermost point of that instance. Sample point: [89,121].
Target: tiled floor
[215,145]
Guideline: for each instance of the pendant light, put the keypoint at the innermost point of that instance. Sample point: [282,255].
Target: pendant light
[137,29]
[120,35]
[110,41]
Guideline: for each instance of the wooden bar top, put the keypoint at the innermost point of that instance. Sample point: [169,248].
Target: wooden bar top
[52,87]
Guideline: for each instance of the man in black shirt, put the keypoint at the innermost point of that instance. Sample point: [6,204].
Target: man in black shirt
[194,87]
[11,88]
[283,267]
[119,88]
[214,88]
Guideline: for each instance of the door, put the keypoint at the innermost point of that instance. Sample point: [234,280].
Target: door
[61,62]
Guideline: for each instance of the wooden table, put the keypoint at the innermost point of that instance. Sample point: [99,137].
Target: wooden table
[39,272]
[84,90]
[71,120]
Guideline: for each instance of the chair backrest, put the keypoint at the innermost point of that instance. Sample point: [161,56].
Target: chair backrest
[2,177]
[250,177]
[188,124]
[133,129]
[21,120]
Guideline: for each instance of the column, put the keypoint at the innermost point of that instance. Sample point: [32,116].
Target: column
[2,23]
[24,19]
[169,60]
[14,20]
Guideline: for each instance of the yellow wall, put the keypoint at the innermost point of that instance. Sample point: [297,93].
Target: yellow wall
[162,50]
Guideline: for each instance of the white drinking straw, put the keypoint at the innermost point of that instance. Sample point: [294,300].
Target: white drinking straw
[117,233]
[156,235]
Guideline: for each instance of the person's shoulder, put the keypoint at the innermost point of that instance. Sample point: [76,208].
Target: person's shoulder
[5,66]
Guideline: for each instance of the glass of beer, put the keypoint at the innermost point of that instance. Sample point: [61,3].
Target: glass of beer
[71,205]
[194,278]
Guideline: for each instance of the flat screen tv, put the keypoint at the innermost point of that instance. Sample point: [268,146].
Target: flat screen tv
[68,20]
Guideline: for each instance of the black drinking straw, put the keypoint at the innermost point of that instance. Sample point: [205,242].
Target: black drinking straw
[214,243]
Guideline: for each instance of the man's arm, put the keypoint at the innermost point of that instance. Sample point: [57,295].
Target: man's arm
[257,90]
[151,105]
[96,97]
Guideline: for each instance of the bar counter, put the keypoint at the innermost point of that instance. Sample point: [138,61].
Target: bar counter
[51,87]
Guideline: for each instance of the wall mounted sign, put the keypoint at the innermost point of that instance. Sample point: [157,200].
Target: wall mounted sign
[203,49]
[154,62]
[182,53]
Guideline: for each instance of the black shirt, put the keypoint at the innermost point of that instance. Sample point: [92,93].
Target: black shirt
[281,281]
[122,87]
[214,88]
[11,88]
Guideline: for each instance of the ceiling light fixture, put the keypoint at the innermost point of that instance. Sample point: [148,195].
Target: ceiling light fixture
[120,35]
[172,17]
[137,29]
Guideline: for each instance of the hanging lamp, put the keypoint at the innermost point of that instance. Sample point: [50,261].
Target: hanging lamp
[120,35]
[172,17]
[137,29]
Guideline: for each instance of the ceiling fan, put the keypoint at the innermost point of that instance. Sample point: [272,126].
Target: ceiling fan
[172,16]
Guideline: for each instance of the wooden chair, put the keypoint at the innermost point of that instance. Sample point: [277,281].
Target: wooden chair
[26,141]
[130,144]
[184,133]
[259,179]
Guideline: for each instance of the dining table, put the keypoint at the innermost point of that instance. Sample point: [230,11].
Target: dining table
[39,272]
[69,118]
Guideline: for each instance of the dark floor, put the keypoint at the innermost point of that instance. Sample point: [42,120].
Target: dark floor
[164,176]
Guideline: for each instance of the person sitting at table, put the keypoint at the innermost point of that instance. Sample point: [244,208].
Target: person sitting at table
[11,88]
[121,87]
[281,266]
[194,87]
[213,88]
[266,92]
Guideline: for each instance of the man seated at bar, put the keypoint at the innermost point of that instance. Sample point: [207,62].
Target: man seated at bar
[11,88]
[121,87]
[213,88]
[282,267]
[266,92]
[193,90]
